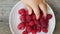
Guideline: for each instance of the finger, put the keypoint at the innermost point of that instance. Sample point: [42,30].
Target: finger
[29,9]
[36,11]
[27,6]
[43,7]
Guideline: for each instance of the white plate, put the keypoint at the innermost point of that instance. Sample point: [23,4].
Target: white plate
[14,19]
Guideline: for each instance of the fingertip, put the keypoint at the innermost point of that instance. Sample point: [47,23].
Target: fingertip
[45,14]
[29,10]
[37,16]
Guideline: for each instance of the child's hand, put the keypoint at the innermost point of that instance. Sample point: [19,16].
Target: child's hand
[35,5]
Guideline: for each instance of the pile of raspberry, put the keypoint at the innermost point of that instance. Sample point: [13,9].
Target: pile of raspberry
[31,24]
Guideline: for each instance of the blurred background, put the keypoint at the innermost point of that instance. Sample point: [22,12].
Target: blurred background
[5,9]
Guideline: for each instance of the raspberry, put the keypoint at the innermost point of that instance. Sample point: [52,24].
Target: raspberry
[21,26]
[39,28]
[28,18]
[28,29]
[22,18]
[46,20]
[27,24]
[36,21]
[27,13]
[49,16]
[31,23]
[41,20]
[22,11]
[44,24]
[34,27]
[45,30]
[34,31]
[33,17]
[25,32]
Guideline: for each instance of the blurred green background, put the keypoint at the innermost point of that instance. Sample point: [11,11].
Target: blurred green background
[5,9]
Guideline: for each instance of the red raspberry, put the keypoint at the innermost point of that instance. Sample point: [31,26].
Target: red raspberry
[36,21]
[38,25]
[28,18]
[43,24]
[22,18]
[28,29]
[41,20]
[27,13]
[41,17]
[33,17]
[49,16]
[34,31]
[39,28]
[31,23]
[34,27]
[25,32]
[27,24]
[45,30]
[21,26]
[22,11]
[46,21]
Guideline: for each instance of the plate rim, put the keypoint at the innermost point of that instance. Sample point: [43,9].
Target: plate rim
[12,11]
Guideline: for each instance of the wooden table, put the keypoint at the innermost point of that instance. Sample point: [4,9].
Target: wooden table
[6,6]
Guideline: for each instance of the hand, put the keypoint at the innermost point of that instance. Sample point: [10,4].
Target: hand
[35,5]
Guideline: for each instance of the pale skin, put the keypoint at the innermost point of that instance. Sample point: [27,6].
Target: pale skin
[35,5]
